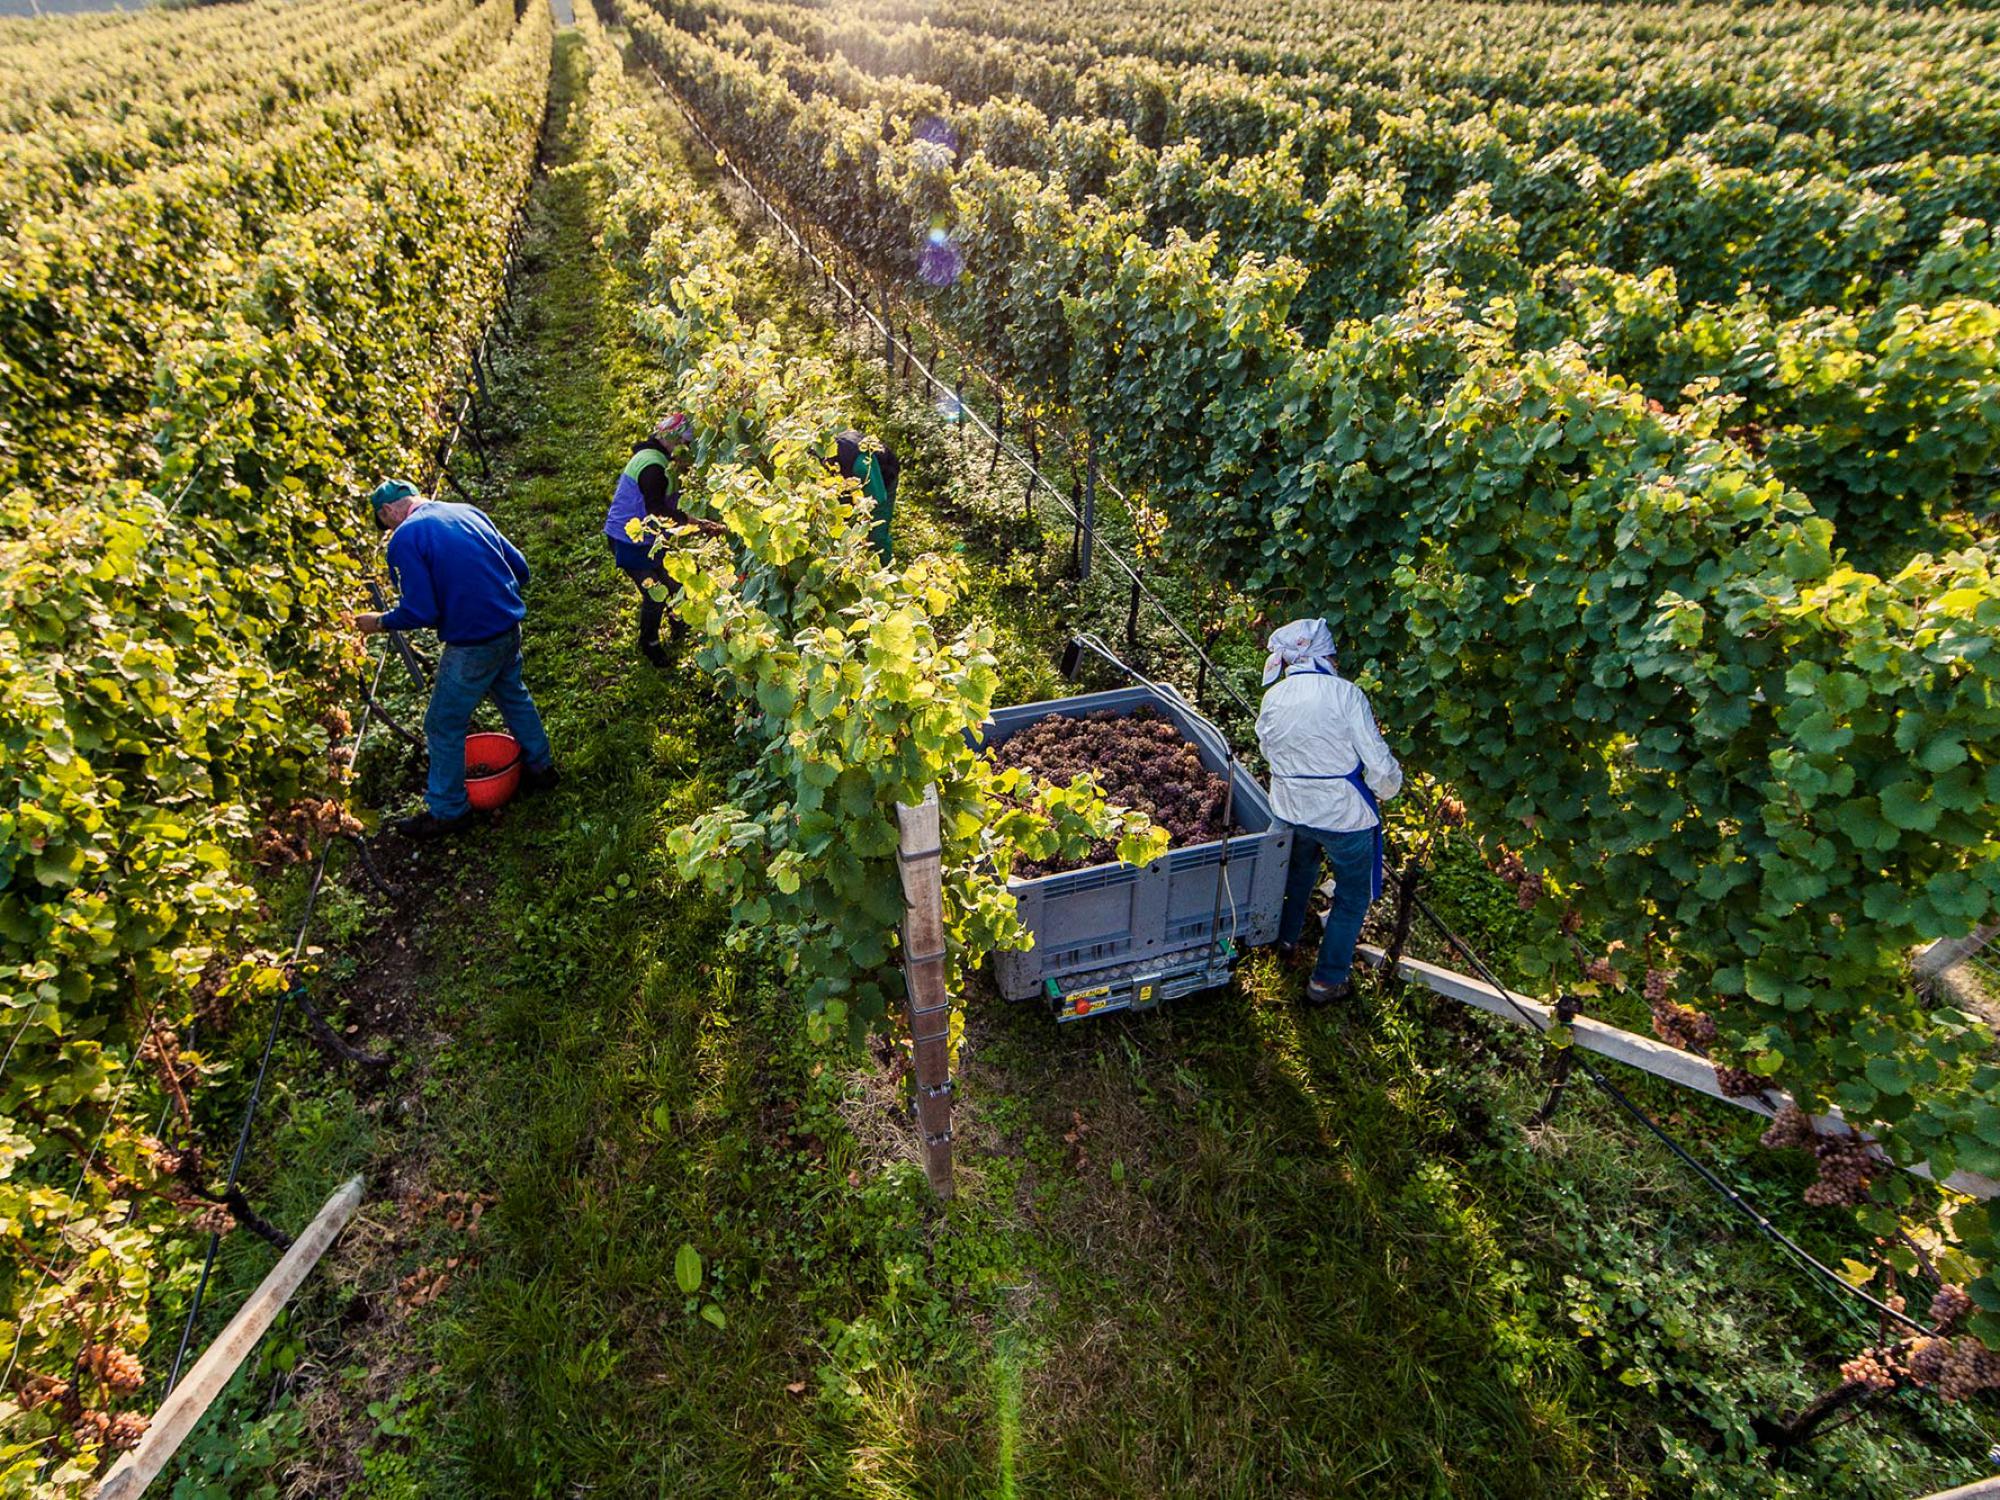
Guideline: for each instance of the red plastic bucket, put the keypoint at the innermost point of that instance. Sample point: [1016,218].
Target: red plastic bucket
[500,755]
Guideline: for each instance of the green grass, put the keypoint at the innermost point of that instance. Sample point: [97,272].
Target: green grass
[1229,1249]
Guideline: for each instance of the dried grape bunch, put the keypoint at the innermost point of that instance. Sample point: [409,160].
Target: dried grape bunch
[1845,1170]
[1791,1127]
[1141,761]
[1950,1307]
[1878,1369]
[1738,1083]
[35,1391]
[117,1368]
[1683,1026]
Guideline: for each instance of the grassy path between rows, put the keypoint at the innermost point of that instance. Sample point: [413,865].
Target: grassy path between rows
[1225,1250]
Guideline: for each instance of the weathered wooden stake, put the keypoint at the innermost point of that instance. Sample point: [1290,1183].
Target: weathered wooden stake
[920,855]
[187,1402]
[1087,527]
[1406,911]
[1559,1067]
[1076,509]
[999,431]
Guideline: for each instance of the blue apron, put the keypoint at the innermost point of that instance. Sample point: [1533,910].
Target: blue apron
[1355,779]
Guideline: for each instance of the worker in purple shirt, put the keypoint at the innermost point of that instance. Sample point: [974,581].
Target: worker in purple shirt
[460,577]
[647,501]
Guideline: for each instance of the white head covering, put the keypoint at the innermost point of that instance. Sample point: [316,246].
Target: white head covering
[1301,643]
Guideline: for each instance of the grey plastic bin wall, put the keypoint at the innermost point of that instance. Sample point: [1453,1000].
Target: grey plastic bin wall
[1106,923]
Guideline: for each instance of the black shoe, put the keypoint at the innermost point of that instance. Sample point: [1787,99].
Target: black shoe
[533,783]
[1328,994]
[655,653]
[428,825]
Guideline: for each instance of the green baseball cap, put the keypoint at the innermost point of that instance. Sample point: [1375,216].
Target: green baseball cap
[389,491]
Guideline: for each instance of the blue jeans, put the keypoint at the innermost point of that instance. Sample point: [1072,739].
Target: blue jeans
[1352,856]
[466,674]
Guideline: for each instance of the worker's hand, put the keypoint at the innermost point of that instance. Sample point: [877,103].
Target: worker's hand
[368,624]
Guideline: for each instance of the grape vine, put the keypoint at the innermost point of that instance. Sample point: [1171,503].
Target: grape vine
[846,682]
[172,632]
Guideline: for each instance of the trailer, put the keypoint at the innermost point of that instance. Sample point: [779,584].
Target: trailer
[1111,937]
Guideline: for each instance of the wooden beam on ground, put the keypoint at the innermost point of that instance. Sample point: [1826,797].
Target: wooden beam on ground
[1979,1489]
[188,1401]
[1946,952]
[920,857]
[1642,1052]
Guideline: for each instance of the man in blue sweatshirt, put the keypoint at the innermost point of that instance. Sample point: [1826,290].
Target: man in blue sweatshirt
[460,577]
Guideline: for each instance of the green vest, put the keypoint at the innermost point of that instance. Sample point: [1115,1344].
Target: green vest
[641,461]
[868,474]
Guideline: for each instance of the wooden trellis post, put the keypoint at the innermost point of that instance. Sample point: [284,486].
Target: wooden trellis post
[920,856]
[1086,526]
[189,1400]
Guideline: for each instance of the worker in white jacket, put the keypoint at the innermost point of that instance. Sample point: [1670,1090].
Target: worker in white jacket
[1330,772]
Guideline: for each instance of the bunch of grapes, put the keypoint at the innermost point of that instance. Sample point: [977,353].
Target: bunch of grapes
[125,1431]
[1880,1369]
[1659,984]
[1683,1026]
[1738,1083]
[1600,971]
[36,1391]
[214,1220]
[336,723]
[1791,1127]
[161,1044]
[167,1160]
[273,848]
[117,1368]
[1949,1308]
[1528,886]
[89,1429]
[1965,1369]
[323,816]
[1845,1170]
[1451,812]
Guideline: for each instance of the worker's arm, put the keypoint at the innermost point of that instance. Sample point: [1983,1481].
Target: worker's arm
[1267,721]
[516,563]
[1379,768]
[662,499]
[418,608]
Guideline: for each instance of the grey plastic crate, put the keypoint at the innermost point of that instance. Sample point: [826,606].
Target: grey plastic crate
[1110,937]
